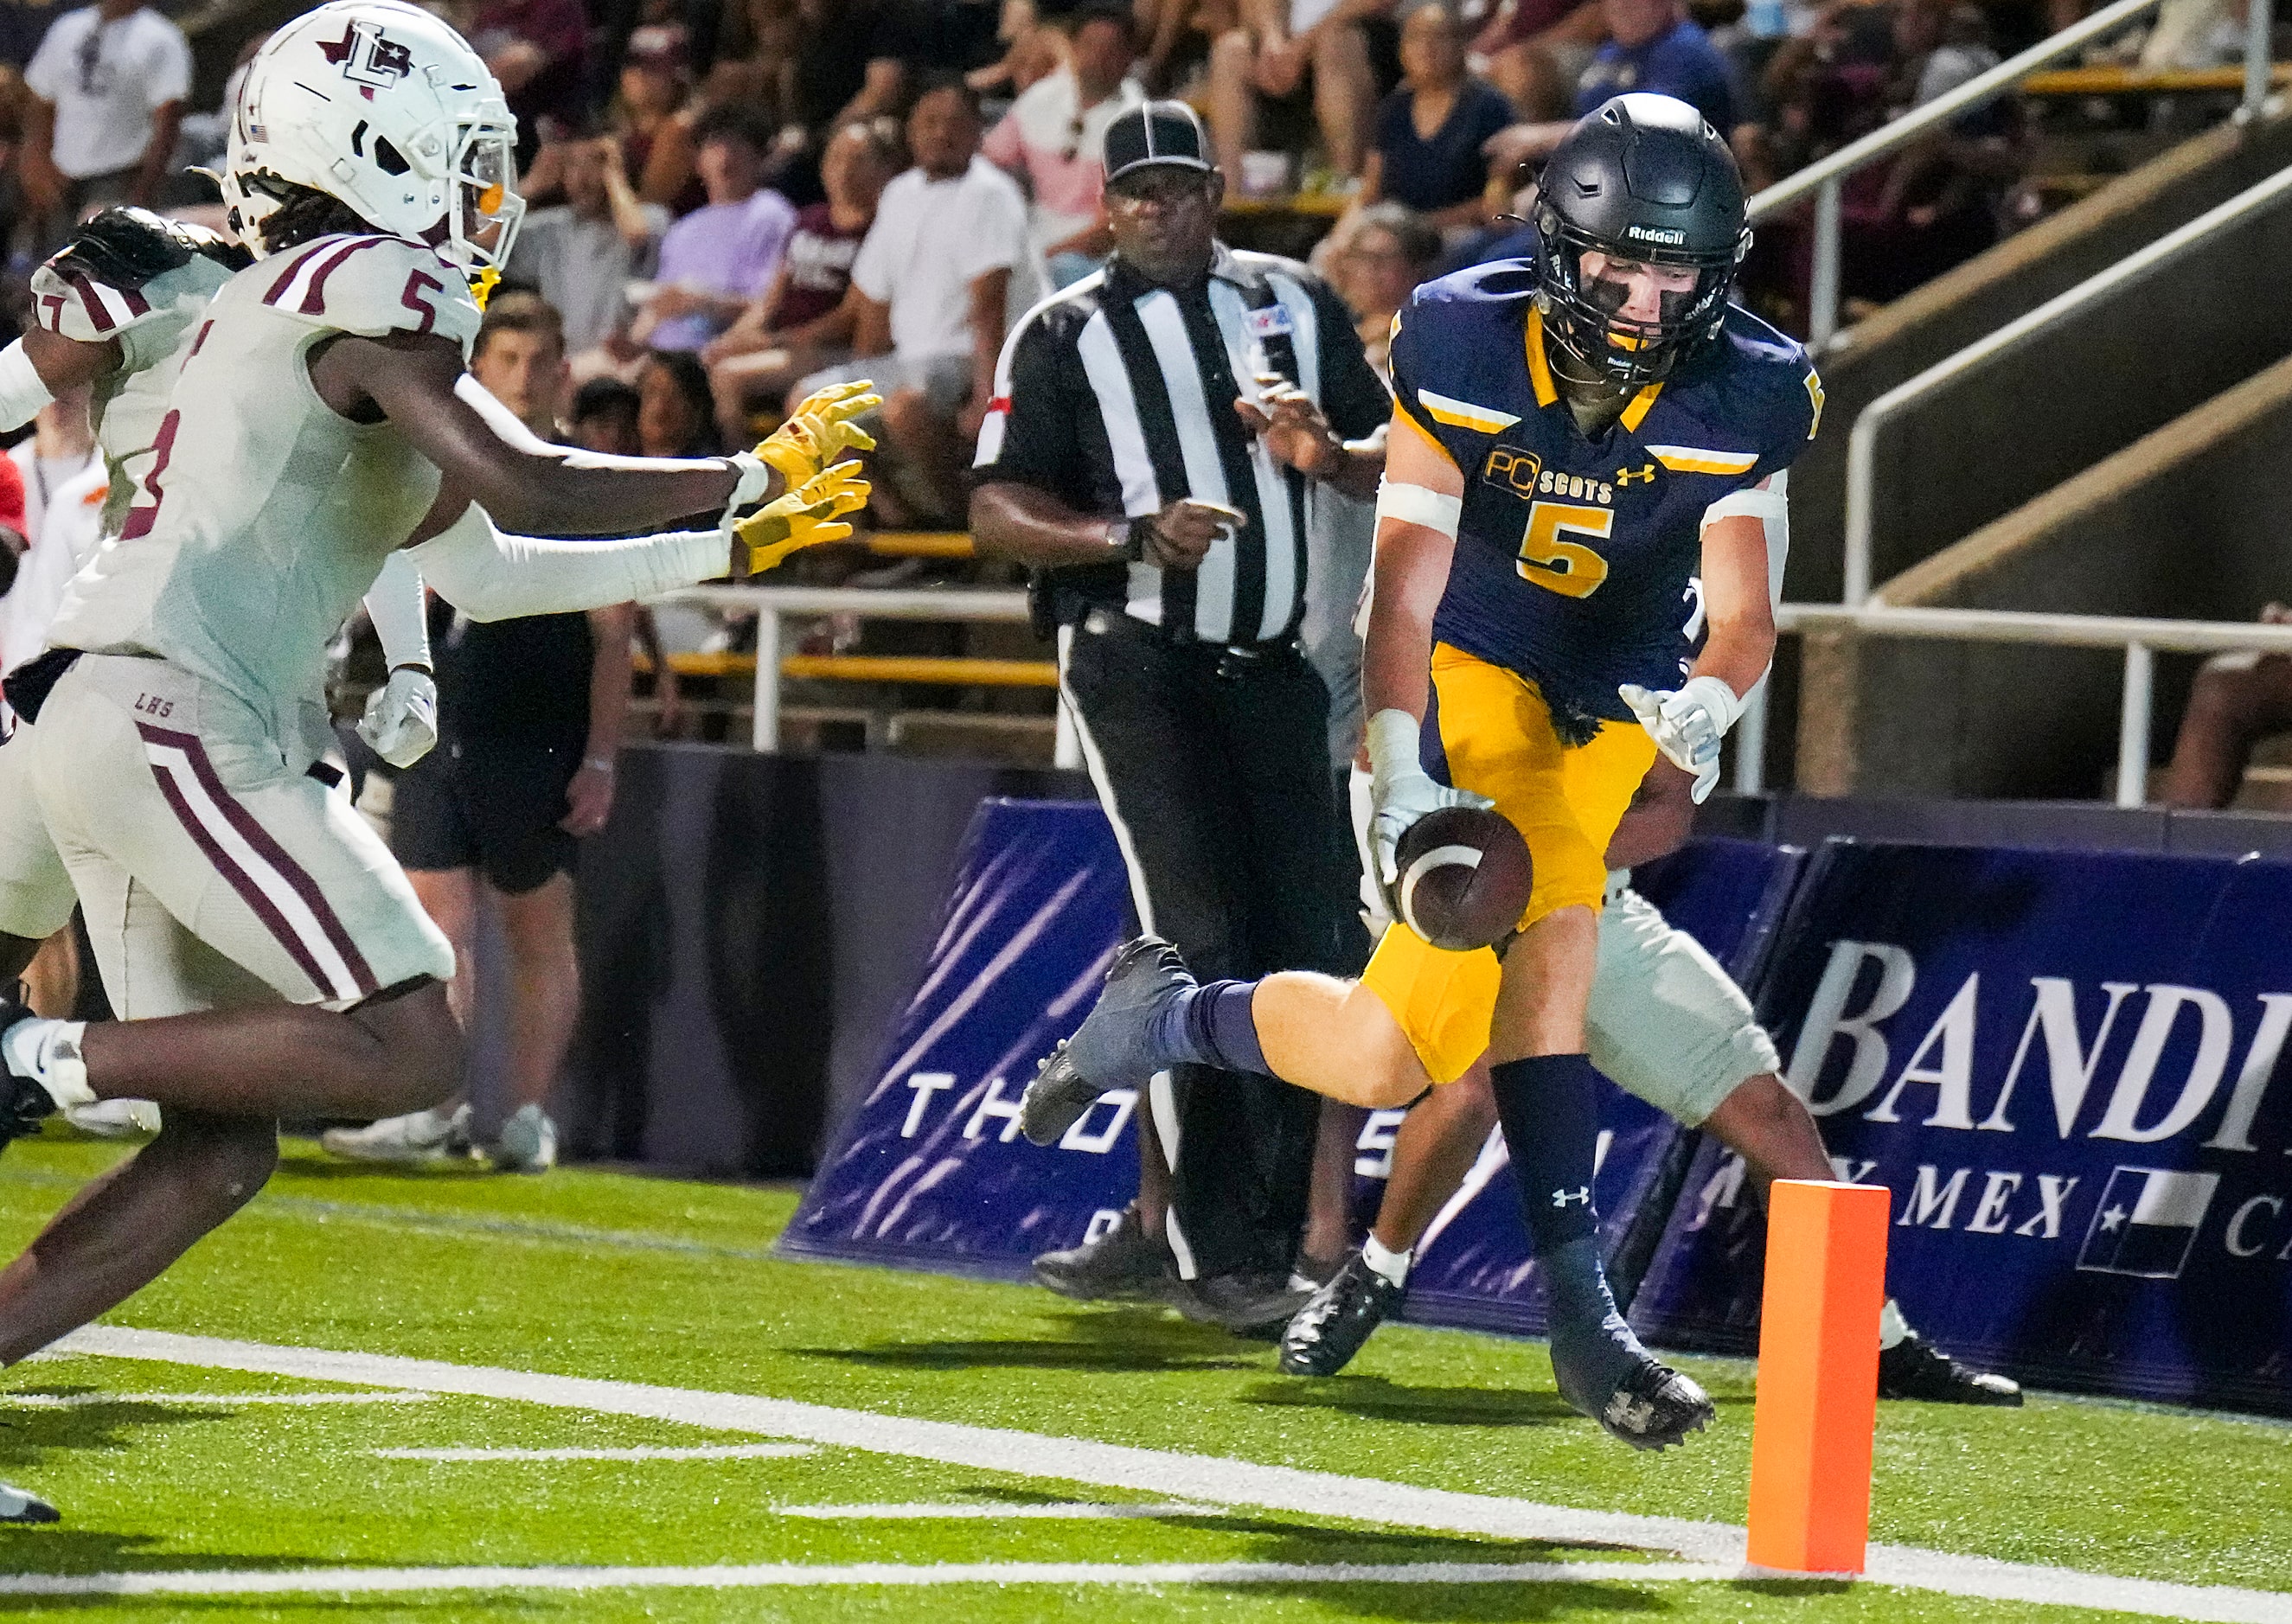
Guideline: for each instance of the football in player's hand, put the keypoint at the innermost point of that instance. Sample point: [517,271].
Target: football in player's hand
[1464,877]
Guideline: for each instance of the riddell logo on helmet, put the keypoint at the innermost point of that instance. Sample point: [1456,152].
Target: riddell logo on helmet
[368,57]
[1655,234]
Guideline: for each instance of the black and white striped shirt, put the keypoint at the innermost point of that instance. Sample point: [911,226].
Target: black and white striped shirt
[1117,396]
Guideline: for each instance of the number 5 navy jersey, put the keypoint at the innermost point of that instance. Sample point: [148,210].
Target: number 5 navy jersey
[1573,554]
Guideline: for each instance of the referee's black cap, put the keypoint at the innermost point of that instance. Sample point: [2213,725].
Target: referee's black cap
[1158,133]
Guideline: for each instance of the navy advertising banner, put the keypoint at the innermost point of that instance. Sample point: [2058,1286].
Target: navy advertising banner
[2063,1066]
[1473,1267]
[933,1172]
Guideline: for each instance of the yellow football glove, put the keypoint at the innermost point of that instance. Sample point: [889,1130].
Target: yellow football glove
[819,429]
[807,516]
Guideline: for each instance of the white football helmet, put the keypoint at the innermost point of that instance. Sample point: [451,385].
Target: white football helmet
[386,107]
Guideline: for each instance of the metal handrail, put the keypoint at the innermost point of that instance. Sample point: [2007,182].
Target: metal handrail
[771,605]
[1825,177]
[2140,637]
[1862,445]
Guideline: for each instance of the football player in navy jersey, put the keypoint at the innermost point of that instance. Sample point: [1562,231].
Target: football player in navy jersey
[1575,436]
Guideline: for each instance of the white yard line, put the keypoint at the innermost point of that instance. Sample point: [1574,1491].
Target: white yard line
[81,1401]
[991,1511]
[368,1581]
[704,1451]
[1175,1474]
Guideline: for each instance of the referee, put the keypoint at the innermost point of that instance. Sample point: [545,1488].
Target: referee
[1153,452]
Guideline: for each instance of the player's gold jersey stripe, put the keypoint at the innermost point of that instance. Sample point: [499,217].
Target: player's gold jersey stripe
[1402,415]
[1635,414]
[1539,371]
[1463,415]
[1700,460]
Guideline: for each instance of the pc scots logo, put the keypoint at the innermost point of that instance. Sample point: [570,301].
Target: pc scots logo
[369,57]
[2147,1222]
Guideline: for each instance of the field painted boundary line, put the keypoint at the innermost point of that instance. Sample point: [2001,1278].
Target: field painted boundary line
[369,1580]
[1177,1474]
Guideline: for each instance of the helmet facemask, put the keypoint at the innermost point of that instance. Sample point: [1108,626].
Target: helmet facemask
[1585,319]
[483,209]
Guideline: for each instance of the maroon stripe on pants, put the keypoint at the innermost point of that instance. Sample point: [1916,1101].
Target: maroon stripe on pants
[268,850]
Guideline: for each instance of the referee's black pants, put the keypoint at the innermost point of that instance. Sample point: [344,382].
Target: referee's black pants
[1214,766]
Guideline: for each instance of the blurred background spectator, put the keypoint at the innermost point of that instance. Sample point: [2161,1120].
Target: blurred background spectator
[1431,132]
[719,257]
[538,49]
[805,320]
[653,116]
[1286,58]
[1378,255]
[581,255]
[108,87]
[1053,140]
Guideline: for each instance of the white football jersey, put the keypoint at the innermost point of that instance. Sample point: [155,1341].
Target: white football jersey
[263,516]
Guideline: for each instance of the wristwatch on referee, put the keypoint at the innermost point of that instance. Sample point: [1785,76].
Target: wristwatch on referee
[1129,535]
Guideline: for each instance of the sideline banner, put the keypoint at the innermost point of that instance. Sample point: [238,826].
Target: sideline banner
[2062,1064]
[933,1172]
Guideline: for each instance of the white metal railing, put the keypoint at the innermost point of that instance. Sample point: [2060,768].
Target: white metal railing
[771,605]
[1862,445]
[2140,638]
[1826,177]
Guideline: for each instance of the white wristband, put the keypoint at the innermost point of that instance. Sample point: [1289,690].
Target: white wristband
[1419,504]
[1394,742]
[22,394]
[1724,705]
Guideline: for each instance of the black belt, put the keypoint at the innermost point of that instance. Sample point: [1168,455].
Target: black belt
[1233,661]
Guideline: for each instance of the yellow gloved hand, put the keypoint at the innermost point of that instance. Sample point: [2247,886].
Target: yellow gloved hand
[819,429]
[807,516]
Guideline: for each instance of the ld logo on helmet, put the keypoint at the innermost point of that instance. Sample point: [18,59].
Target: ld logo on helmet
[368,57]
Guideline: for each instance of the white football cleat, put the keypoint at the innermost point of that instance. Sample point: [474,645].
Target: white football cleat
[419,1138]
[527,1142]
[115,1119]
[16,1505]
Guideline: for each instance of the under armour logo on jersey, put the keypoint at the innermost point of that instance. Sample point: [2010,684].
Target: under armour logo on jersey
[1581,1195]
[368,56]
[1644,473]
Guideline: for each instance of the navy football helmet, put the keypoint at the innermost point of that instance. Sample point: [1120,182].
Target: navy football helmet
[1642,178]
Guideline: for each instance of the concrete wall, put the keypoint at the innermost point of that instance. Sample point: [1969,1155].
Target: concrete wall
[2189,522]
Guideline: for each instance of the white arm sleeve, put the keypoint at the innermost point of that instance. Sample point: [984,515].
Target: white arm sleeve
[492,576]
[394,604]
[505,423]
[21,392]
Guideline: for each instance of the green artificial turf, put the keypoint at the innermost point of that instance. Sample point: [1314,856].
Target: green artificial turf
[609,1274]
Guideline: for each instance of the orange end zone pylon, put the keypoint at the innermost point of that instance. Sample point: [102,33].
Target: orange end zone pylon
[1818,1404]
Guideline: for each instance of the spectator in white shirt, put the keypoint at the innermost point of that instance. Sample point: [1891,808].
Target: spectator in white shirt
[60,446]
[108,85]
[1054,139]
[582,254]
[941,271]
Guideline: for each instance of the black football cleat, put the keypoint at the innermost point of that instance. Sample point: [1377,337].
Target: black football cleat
[1651,1407]
[1111,1048]
[1915,1368]
[24,1103]
[17,1506]
[1247,1302]
[1123,1264]
[1329,1329]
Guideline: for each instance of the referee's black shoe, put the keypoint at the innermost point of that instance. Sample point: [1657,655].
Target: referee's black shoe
[1337,1322]
[1256,1303]
[19,1506]
[1915,1368]
[1111,1048]
[1123,1264]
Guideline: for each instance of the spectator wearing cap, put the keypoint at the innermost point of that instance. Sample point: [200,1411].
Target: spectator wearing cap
[1285,54]
[1162,505]
[582,254]
[1653,46]
[718,258]
[1053,138]
[806,320]
[937,275]
[108,84]
[653,119]
[1430,130]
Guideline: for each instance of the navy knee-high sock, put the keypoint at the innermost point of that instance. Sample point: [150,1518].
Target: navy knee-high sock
[1549,1106]
[1211,1024]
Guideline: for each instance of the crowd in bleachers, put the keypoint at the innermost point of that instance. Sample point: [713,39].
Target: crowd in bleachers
[733,201]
